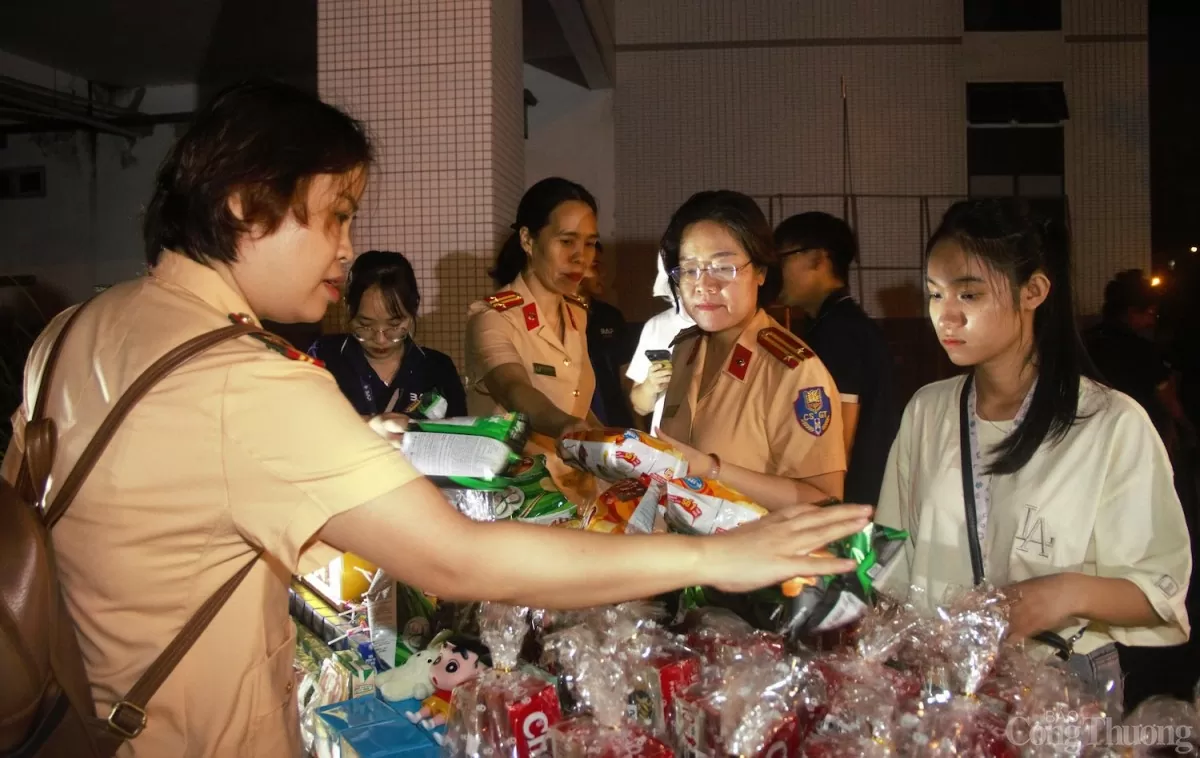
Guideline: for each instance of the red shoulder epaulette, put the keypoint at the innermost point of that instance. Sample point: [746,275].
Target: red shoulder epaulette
[277,343]
[502,301]
[785,346]
[576,300]
[686,334]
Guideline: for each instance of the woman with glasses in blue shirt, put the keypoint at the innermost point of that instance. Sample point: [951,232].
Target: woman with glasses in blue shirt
[749,404]
[378,365]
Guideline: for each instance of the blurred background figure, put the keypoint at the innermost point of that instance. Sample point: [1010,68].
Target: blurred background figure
[650,378]
[608,339]
[816,250]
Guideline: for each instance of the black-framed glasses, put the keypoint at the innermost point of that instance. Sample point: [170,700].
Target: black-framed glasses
[393,333]
[690,273]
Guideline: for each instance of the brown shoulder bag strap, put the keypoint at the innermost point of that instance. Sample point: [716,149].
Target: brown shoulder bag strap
[41,436]
[128,717]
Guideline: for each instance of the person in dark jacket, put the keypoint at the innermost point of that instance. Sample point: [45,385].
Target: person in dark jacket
[379,366]
[610,348]
[816,250]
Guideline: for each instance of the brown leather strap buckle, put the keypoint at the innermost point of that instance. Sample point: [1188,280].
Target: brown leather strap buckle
[127,719]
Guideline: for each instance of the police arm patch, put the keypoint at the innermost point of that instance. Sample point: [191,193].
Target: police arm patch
[814,410]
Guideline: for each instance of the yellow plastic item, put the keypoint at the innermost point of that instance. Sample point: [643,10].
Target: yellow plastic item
[340,583]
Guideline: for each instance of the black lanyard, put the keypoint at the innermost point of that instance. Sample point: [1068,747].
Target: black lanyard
[1062,648]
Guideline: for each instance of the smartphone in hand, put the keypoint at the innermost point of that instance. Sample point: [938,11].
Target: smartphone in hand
[657,356]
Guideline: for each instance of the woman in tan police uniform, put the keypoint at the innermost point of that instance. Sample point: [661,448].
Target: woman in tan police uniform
[749,403]
[527,344]
[252,447]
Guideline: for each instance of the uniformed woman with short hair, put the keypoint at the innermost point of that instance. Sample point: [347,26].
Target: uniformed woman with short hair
[749,403]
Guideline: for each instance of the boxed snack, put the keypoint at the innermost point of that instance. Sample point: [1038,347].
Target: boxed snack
[396,738]
[616,454]
[332,720]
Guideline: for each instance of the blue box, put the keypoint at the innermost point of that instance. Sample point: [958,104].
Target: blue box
[336,718]
[406,709]
[388,739]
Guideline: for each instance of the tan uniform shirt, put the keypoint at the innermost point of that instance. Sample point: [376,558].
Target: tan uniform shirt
[773,408]
[1100,502]
[241,447]
[509,328]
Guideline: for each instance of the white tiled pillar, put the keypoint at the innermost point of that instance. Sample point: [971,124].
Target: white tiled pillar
[439,85]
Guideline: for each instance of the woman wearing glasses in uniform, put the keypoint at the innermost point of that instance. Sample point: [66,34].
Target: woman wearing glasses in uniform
[749,404]
[378,366]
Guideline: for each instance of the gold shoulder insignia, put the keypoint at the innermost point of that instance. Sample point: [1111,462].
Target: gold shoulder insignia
[686,334]
[576,300]
[502,301]
[785,346]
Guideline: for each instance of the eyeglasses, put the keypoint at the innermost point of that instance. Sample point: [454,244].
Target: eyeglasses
[392,334]
[721,272]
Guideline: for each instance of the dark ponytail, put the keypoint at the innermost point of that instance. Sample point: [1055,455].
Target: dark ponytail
[1009,239]
[533,213]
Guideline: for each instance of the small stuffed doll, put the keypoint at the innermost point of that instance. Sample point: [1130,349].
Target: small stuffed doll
[409,681]
[460,660]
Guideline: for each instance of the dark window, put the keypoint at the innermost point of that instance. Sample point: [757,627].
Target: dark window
[1016,103]
[1012,15]
[23,182]
[1015,143]
[1015,150]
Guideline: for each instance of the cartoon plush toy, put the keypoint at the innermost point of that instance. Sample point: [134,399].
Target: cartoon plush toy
[409,681]
[460,660]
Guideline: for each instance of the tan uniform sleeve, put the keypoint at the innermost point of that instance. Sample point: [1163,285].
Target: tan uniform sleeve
[797,449]
[491,342]
[1140,533]
[894,508]
[295,454]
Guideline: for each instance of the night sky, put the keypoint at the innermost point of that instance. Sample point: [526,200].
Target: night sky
[1174,127]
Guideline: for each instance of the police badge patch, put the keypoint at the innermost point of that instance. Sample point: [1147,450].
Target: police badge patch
[813,410]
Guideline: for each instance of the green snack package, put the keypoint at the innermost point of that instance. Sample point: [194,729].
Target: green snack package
[511,428]
[835,601]
[429,406]
[828,603]
[526,492]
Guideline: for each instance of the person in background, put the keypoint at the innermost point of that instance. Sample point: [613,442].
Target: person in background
[379,366]
[1025,472]
[748,404]
[816,250]
[250,448]
[651,378]
[1122,347]
[608,346]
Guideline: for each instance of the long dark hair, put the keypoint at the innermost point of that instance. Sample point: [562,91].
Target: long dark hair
[745,221]
[533,213]
[1011,240]
[394,276]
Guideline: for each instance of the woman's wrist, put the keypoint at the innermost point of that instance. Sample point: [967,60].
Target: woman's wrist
[713,472]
